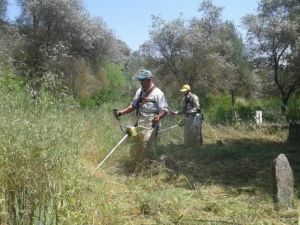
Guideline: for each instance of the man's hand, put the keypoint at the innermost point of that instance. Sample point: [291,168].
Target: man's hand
[174,113]
[155,120]
[117,114]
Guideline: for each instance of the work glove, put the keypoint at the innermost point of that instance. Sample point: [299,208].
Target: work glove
[117,114]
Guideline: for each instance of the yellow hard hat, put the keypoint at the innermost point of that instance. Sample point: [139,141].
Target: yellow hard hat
[185,88]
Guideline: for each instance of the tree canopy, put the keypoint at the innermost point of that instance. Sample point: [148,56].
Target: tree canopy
[273,38]
[200,52]
[3,5]
[57,40]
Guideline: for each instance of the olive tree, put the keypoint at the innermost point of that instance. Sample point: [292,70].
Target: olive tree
[194,52]
[59,34]
[272,37]
[9,38]
[64,27]
[166,44]
[3,5]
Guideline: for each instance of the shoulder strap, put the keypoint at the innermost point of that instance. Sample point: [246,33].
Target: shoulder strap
[187,101]
[142,97]
[149,91]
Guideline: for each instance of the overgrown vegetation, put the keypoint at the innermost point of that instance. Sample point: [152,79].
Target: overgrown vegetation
[218,109]
[61,74]
[114,86]
[49,151]
[42,143]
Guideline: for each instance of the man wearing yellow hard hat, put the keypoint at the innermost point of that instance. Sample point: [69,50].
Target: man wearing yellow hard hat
[190,107]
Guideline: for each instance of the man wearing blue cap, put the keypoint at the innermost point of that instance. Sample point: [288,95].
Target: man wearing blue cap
[151,106]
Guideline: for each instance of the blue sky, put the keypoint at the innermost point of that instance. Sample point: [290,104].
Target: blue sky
[130,20]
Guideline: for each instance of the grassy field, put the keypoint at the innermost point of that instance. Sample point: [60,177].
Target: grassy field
[49,151]
[228,180]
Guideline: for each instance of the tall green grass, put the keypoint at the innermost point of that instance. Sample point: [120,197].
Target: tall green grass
[41,144]
[36,144]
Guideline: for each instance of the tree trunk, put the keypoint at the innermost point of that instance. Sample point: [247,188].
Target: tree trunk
[233,103]
[294,133]
[285,95]
[284,107]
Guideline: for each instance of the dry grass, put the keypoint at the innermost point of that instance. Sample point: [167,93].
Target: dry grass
[225,181]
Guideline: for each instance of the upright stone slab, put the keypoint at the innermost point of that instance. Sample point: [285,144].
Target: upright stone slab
[284,182]
[258,117]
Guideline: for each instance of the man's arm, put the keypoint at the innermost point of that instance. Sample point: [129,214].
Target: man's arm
[158,117]
[163,106]
[181,108]
[129,109]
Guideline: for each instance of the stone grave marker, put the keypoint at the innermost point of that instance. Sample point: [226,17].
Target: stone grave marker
[258,117]
[284,183]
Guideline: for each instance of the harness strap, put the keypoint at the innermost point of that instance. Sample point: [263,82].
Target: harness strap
[143,98]
[189,101]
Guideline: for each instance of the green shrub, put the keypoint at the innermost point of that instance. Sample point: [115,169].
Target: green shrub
[107,95]
[87,102]
[115,75]
[116,86]
[11,82]
[245,113]
[246,109]
[218,109]
[271,109]
[112,91]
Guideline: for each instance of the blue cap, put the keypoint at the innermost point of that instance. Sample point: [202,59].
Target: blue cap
[144,75]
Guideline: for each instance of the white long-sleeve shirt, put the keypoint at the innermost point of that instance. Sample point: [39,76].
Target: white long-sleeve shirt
[153,104]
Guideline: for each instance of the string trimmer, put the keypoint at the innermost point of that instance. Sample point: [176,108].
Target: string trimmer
[130,131]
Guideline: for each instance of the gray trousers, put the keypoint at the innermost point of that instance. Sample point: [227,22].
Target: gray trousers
[193,130]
